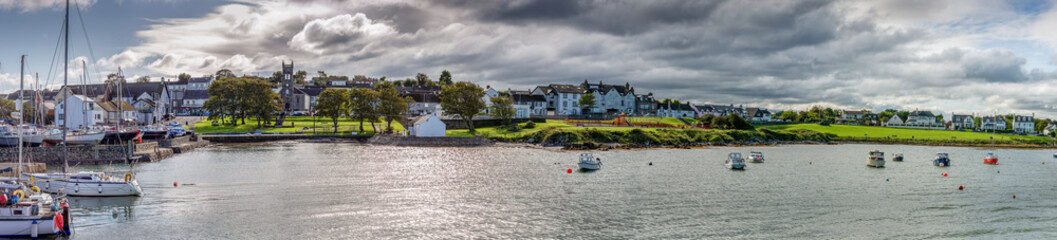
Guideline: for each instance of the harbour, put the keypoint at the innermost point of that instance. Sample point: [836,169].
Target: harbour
[330,190]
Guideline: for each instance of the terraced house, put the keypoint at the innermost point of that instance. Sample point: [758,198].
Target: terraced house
[611,99]
[1024,123]
[562,99]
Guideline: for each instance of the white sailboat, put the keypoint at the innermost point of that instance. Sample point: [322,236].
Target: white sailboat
[35,214]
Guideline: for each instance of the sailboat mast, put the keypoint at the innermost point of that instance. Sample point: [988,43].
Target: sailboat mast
[65,85]
[21,119]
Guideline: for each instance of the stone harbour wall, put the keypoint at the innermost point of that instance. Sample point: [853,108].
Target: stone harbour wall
[430,141]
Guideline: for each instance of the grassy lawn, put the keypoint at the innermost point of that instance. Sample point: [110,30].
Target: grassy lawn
[551,123]
[671,121]
[857,133]
[321,125]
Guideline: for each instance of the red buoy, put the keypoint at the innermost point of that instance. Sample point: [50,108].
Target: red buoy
[569,170]
[944,174]
[1014,196]
[174,184]
[808,163]
[961,187]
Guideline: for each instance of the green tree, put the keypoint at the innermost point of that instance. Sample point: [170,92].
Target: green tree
[502,109]
[706,118]
[445,78]
[222,73]
[422,80]
[6,107]
[277,77]
[409,83]
[183,77]
[587,101]
[903,115]
[299,76]
[978,122]
[262,102]
[788,116]
[721,122]
[939,118]
[392,106]
[737,122]
[362,102]
[462,100]
[333,103]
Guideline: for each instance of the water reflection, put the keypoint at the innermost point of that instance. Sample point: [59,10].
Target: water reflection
[117,208]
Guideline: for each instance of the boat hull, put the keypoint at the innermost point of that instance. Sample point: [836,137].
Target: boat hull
[155,134]
[8,141]
[993,161]
[876,163]
[897,159]
[118,137]
[84,138]
[23,227]
[942,162]
[736,166]
[590,166]
[87,188]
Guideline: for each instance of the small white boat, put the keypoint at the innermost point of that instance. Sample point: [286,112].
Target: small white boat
[31,136]
[877,159]
[735,161]
[27,213]
[84,137]
[53,136]
[898,157]
[756,157]
[589,162]
[87,184]
[942,160]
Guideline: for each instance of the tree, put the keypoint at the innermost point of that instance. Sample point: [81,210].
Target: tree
[392,106]
[462,100]
[277,77]
[939,118]
[260,101]
[6,107]
[422,79]
[736,122]
[409,83]
[333,103]
[362,102]
[706,118]
[143,79]
[299,76]
[445,78]
[721,122]
[903,115]
[502,109]
[676,102]
[241,97]
[224,73]
[587,101]
[978,121]
[183,77]
[788,116]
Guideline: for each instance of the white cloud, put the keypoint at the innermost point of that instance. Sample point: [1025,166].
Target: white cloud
[341,30]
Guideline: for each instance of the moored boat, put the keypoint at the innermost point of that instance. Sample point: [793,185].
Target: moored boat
[84,137]
[117,136]
[898,157]
[877,159]
[155,133]
[756,157]
[942,160]
[88,184]
[33,215]
[53,137]
[31,136]
[991,158]
[589,162]
[8,136]
[735,161]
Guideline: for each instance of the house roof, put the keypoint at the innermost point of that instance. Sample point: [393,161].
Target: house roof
[605,88]
[421,119]
[200,80]
[567,88]
[424,97]
[312,91]
[196,94]
[853,112]
[960,117]
[112,106]
[922,113]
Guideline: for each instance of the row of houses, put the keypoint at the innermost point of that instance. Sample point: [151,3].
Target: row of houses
[927,120]
[141,103]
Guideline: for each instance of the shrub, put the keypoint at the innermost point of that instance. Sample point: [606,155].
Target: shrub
[530,125]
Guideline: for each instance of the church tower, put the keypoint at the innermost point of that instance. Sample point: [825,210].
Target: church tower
[287,91]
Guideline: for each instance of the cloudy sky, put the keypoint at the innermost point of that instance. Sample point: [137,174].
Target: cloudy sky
[961,56]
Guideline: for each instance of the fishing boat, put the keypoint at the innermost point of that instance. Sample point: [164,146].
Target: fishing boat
[898,157]
[942,160]
[991,158]
[87,184]
[589,162]
[735,161]
[756,157]
[877,159]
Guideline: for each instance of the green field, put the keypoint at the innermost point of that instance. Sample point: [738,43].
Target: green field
[848,132]
[555,131]
[304,124]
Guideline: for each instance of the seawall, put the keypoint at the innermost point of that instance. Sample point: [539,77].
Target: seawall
[430,141]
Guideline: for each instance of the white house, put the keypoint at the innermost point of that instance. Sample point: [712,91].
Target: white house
[758,115]
[993,123]
[894,121]
[83,112]
[527,105]
[1024,124]
[959,121]
[562,99]
[1049,129]
[611,99]
[427,126]
[675,110]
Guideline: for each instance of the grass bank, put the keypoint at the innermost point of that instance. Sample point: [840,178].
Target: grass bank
[556,132]
[303,124]
[915,136]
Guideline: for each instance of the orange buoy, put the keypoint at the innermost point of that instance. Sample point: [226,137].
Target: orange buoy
[944,174]
[1014,196]
[962,187]
[569,170]
[174,184]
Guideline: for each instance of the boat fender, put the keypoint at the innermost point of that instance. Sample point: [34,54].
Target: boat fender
[100,188]
[128,177]
[35,189]
[3,199]
[76,187]
[58,221]
[14,199]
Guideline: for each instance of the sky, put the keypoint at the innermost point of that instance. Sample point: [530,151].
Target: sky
[946,56]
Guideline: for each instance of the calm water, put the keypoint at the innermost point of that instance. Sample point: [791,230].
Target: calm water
[321,191]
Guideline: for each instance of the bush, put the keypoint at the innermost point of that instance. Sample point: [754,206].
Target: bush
[530,125]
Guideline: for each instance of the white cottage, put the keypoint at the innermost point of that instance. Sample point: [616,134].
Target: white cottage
[83,112]
[427,126]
